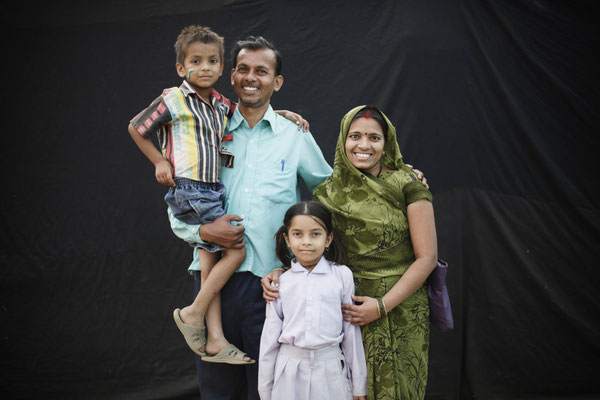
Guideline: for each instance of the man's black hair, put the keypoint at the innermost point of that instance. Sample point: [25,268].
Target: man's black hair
[256,43]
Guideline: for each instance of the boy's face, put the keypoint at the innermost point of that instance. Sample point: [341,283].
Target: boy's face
[202,66]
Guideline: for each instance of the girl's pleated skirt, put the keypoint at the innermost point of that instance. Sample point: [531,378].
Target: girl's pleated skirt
[302,374]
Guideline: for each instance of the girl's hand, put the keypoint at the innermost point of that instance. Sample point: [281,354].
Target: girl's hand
[164,172]
[270,285]
[363,314]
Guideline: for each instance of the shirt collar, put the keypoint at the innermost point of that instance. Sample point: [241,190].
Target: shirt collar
[238,118]
[188,90]
[322,267]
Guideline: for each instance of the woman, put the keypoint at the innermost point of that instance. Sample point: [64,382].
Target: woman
[384,217]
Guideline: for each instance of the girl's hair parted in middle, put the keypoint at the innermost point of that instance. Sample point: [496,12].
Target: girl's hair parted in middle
[335,253]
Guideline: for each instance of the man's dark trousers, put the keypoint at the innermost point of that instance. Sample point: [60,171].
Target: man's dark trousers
[243,315]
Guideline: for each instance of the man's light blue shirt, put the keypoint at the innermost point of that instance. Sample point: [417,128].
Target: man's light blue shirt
[263,184]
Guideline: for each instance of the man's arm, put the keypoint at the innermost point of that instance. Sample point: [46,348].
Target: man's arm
[313,167]
[223,233]
[220,231]
[420,176]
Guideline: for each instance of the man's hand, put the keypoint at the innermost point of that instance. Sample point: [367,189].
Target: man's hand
[223,233]
[270,285]
[164,172]
[420,176]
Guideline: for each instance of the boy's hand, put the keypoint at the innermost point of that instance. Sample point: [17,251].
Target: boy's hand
[164,173]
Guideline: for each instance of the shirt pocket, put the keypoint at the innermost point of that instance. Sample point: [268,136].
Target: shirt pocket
[330,317]
[281,181]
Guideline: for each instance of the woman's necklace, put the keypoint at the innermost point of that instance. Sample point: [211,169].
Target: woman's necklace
[380,168]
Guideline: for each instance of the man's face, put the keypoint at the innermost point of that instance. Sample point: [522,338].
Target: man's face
[254,79]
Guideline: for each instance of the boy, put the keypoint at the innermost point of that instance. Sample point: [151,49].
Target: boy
[190,121]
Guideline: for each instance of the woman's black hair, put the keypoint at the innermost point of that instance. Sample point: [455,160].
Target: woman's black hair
[372,112]
[335,253]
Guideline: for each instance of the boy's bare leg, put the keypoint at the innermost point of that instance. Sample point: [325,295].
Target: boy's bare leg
[194,313]
[208,302]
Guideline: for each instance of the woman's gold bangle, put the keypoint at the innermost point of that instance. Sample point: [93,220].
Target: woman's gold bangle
[381,304]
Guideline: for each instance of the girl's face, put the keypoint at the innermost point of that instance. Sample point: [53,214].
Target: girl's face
[307,238]
[365,144]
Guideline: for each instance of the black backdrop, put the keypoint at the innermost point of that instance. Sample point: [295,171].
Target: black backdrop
[495,101]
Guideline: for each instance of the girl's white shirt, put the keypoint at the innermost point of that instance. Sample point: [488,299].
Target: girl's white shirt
[308,315]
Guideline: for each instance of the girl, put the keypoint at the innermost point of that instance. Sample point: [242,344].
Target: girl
[307,350]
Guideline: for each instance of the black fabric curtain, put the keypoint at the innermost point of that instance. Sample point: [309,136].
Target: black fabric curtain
[495,101]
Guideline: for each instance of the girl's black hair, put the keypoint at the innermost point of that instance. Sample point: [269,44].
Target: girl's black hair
[335,253]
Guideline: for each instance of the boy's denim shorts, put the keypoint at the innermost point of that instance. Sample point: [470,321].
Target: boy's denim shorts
[195,202]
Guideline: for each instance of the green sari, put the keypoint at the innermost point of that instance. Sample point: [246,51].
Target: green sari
[369,217]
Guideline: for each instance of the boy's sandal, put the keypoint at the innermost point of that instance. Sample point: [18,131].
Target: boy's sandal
[195,336]
[229,355]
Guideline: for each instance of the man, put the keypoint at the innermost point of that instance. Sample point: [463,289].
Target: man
[270,153]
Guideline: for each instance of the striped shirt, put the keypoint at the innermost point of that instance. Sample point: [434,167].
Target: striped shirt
[189,130]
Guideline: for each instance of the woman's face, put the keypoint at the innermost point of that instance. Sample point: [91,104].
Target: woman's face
[364,145]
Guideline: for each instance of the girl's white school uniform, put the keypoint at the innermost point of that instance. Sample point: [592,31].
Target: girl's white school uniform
[300,357]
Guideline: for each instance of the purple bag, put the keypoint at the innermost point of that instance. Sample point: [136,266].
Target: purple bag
[440,312]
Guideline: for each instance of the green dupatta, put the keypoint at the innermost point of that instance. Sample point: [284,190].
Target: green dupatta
[369,213]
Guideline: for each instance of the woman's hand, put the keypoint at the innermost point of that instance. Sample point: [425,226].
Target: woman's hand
[295,118]
[363,314]
[270,285]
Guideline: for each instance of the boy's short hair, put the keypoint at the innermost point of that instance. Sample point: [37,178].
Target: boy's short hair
[256,43]
[197,33]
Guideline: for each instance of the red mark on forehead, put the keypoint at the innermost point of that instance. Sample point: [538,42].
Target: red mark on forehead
[367,114]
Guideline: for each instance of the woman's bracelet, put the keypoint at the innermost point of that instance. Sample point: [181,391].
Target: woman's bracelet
[381,304]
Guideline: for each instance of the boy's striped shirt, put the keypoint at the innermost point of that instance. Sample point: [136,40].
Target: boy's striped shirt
[189,130]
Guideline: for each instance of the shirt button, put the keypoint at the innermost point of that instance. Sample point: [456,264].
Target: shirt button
[246,190]
[249,165]
[251,140]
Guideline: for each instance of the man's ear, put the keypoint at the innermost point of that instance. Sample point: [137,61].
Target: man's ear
[278,83]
